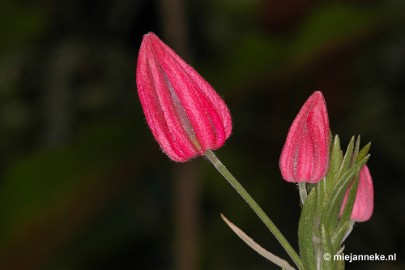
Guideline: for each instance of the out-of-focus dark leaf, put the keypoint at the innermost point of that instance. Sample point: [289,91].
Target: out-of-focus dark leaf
[331,25]
[48,196]
[20,23]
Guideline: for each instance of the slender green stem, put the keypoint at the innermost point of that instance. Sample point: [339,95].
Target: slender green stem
[255,207]
[303,191]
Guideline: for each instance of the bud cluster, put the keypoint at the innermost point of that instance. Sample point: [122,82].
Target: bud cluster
[188,119]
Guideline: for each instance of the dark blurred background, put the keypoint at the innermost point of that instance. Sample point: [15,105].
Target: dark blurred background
[85,186]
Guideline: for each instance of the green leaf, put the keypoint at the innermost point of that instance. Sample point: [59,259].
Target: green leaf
[339,234]
[346,159]
[336,157]
[333,205]
[327,247]
[306,227]
[345,218]
[364,151]
[356,150]
[256,247]
[320,196]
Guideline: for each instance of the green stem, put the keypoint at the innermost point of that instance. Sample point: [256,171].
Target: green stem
[255,207]
[303,191]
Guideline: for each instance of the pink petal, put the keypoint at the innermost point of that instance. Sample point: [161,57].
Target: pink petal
[187,117]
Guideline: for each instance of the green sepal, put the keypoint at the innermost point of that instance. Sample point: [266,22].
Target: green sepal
[306,227]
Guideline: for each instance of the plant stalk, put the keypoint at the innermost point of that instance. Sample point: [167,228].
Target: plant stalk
[255,207]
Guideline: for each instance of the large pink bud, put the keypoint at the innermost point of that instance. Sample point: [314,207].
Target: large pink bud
[187,117]
[364,202]
[305,155]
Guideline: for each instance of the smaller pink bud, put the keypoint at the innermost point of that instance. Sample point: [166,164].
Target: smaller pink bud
[305,155]
[364,202]
[185,114]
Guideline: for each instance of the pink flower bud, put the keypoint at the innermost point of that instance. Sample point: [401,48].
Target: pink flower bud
[185,114]
[305,155]
[364,201]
